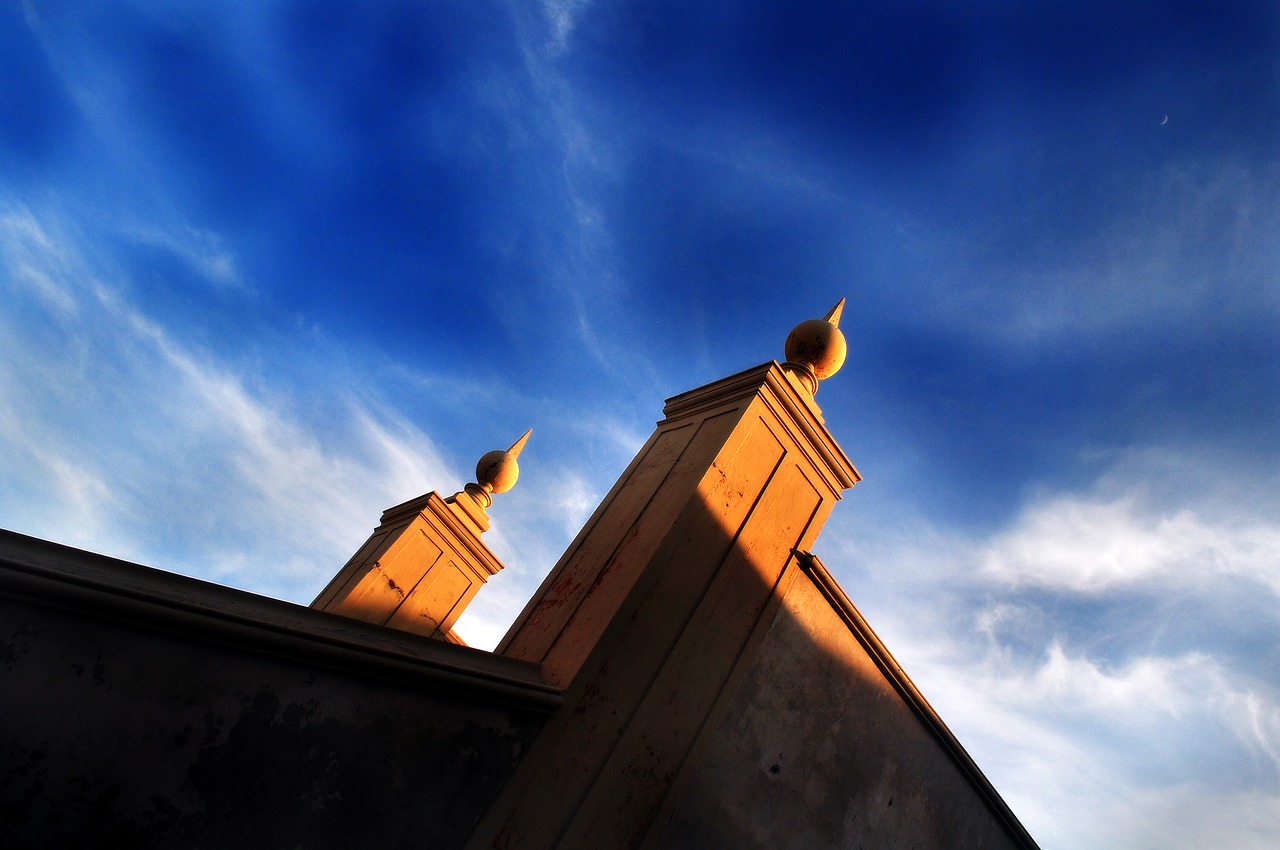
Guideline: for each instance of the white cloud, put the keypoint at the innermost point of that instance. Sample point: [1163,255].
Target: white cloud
[1074,650]
[1091,740]
[574,502]
[1079,685]
[562,15]
[1192,815]
[1091,544]
[1255,717]
[120,435]
[34,261]
[1194,246]
[201,250]
[117,435]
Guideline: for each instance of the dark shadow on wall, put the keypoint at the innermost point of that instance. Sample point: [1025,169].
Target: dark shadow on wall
[144,709]
[726,694]
[732,700]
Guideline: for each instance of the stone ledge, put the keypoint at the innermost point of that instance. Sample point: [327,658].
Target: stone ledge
[53,575]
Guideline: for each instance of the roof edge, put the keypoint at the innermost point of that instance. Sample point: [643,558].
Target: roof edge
[889,666]
[53,575]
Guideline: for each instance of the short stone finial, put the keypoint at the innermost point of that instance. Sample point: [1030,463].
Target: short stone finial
[496,472]
[425,561]
[816,349]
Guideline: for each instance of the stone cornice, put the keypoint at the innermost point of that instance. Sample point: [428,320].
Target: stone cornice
[59,576]
[461,533]
[792,405]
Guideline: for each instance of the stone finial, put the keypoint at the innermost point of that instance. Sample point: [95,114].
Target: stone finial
[816,348]
[496,472]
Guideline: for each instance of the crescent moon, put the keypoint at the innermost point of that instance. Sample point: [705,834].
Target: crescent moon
[1165,121]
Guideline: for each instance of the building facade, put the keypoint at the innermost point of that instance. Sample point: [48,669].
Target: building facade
[689,675]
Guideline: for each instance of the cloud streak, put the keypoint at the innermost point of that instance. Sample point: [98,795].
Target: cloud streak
[1106,646]
[201,250]
[151,426]
[348,227]
[1090,546]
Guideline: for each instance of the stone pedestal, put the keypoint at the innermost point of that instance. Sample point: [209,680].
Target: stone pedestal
[419,570]
[646,614]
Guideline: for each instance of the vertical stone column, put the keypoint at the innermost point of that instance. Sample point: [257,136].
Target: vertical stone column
[425,561]
[644,617]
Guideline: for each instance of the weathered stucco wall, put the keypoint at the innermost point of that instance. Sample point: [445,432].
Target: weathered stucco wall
[163,712]
[817,748]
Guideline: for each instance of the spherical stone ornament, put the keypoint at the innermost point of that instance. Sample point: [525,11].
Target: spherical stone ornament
[818,343]
[497,471]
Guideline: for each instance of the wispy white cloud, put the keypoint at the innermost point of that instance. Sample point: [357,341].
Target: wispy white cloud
[201,250]
[575,502]
[1090,545]
[1101,746]
[34,261]
[1193,245]
[126,438]
[587,270]
[1193,816]
[119,434]
[1145,702]
[562,16]
[1039,643]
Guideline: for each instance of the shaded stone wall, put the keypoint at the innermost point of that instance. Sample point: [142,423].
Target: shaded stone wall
[139,708]
[644,618]
[687,676]
[720,690]
[817,747]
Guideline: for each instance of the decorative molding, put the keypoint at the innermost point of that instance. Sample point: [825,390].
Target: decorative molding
[438,507]
[792,406]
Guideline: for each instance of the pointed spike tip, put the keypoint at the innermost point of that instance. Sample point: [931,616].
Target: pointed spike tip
[833,317]
[518,445]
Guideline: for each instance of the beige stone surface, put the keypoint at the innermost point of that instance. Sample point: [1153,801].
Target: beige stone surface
[698,678]
[425,562]
[417,572]
[819,746]
[646,615]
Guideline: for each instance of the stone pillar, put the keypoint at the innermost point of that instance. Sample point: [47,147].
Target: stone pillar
[425,561]
[646,614]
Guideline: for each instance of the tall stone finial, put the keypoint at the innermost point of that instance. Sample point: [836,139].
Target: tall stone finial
[816,349]
[496,472]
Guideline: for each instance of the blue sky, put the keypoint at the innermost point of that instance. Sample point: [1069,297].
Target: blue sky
[268,268]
